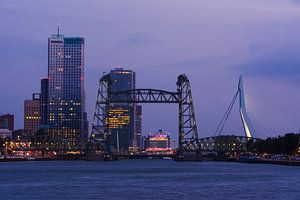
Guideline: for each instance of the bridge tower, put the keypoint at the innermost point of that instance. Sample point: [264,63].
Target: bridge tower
[189,147]
[247,124]
[100,128]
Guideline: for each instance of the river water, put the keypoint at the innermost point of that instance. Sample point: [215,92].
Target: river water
[147,179]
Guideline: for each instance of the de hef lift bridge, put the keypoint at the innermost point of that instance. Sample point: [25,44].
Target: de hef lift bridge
[190,146]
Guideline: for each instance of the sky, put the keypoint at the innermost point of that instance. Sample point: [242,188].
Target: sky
[211,41]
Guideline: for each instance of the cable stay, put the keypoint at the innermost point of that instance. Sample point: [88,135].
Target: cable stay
[224,119]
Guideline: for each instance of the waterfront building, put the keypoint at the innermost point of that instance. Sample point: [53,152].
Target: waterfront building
[158,142]
[66,94]
[32,114]
[21,135]
[44,103]
[124,124]
[138,126]
[5,133]
[7,122]
[85,129]
[144,143]
[119,119]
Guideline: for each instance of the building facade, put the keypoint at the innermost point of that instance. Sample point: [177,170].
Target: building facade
[138,126]
[66,94]
[44,103]
[5,133]
[122,116]
[7,122]
[158,142]
[32,114]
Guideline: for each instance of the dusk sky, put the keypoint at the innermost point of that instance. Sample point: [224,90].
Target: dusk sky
[212,41]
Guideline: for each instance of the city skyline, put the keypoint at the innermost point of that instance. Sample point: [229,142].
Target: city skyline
[139,99]
[268,57]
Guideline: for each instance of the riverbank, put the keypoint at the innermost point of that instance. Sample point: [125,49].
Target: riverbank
[281,162]
[273,162]
[59,157]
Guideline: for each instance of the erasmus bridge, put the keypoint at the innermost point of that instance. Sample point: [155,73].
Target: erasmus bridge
[190,145]
[209,143]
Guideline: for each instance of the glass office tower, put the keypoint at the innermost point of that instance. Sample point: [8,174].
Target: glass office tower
[66,94]
[122,115]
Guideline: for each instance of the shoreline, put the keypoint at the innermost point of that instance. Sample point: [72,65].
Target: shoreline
[273,162]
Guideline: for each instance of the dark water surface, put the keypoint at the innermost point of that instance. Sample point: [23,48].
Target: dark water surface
[147,179]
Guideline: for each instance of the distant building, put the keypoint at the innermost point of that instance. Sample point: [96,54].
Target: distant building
[86,129]
[32,114]
[7,122]
[144,143]
[21,135]
[122,116]
[44,103]
[66,95]
[138,126]
[158,142]
[5,133]
[119,120]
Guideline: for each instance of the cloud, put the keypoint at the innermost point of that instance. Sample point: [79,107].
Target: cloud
[282,63]
[137,40]
[296,1]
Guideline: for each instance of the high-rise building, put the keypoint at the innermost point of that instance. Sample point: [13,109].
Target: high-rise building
[44,103]
[86,129]
[138,126]
[7,122]
[32,114]
[122,116]
[66,94]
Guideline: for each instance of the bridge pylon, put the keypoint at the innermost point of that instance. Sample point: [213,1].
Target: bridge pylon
[247,124]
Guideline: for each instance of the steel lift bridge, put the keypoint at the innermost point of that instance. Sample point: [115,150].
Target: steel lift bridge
[189,147]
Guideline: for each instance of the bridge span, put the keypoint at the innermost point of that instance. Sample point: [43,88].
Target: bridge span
[188,141]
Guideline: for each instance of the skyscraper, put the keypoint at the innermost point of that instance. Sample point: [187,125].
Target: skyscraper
[122,115]
[66,94]
[32,114]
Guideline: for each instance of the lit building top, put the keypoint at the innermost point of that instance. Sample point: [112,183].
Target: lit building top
[32,114]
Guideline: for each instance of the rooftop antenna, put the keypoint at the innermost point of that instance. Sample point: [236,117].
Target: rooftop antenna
[57,29]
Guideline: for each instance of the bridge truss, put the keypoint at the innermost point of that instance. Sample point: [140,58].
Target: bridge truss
[187,128]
